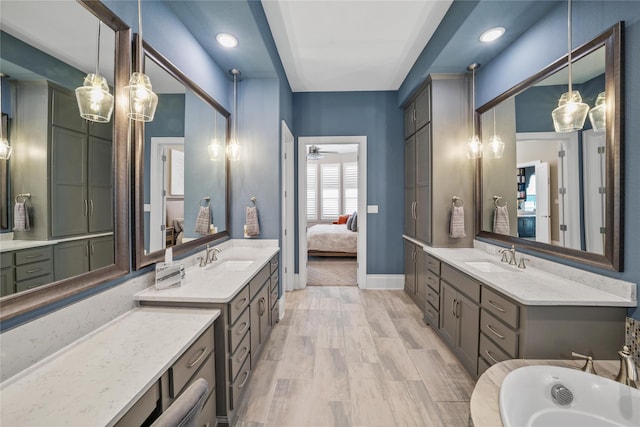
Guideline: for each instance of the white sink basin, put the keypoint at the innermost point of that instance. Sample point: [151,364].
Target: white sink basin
[489,267]
[526,399]
[231,265]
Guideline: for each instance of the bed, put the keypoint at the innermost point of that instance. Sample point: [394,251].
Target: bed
[332,240]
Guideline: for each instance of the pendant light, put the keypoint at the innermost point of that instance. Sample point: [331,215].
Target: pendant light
[496,146]
[5,148]
[598,114]
[571,112]
[215,149]
[142,100]
[233,149]
[474,146]
[94,100]
[314,153]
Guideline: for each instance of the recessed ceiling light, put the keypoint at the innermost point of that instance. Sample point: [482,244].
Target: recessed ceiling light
[227,40]
[492,34]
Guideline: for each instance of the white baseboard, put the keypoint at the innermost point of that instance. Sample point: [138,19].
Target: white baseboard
[384,281]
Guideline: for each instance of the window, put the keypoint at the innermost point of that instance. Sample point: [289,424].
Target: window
[330,187]
[312,191]
[349,187]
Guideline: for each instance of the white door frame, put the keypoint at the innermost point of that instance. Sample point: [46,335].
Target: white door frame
[157,207]
[361,141]
[287,249]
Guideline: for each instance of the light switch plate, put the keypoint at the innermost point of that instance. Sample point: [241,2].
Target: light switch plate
[372,209]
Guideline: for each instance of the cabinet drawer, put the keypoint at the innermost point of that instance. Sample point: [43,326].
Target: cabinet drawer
[36,269]
[275,314]
[491,352]
[503,336]
[6,259]
[238,330]
[274,280]
[500,307]
[34,283]
[207,372]
[238,304]
[433,281]
[433,264]
[273,298]
[141,410]
[207,417]
[433,298]
[190,362]
[482,366]
[33,255]
[273,264]
[431,316]
[237,387]
[258,280]
[423,292]
[239,356]
[462,282]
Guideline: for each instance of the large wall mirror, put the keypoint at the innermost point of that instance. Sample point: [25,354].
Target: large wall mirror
[181,169]
[562,191]
[67,176]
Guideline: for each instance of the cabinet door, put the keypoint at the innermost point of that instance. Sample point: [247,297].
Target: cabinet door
[409,268]
[409,120]
[423,184]
[421,278]
[101,252]
[69,205]
[409,186]
[70,259]
[423,107]
[7,281]
[65,111]
[448,319]
[263,310]
[100,182]
[468,331]
[254,313]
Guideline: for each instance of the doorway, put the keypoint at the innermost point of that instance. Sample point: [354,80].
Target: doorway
[336,204]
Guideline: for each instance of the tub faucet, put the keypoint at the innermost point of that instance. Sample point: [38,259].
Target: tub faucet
[628,374]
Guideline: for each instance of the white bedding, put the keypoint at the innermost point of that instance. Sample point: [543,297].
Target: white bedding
[332,238]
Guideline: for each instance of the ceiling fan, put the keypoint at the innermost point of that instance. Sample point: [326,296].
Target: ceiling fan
[315,153]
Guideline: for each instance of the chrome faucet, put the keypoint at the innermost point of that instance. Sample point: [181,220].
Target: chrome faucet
[628,374]
[212,254]
[512,251]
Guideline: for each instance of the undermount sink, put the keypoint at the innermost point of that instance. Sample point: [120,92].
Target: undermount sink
[548,396]
[489,267]
[231,265]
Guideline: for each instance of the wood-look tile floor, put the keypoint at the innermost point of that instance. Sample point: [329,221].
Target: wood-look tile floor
[346,357]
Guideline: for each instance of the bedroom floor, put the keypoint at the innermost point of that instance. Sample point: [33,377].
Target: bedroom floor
[346,357]
[332,271]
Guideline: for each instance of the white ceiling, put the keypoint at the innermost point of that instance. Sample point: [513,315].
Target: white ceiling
[351,45]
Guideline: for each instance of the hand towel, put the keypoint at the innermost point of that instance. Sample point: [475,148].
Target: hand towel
[501,220]
[456,226]
[203,220]
[21,217]
[253,228]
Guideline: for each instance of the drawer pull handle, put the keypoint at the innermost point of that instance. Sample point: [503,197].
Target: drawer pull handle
[243,329]
[35,285]
[497,307]
[493,359]
[453,308]
[246,377]
[496,333]
[34,256]
[203,351]
[245,351]
[86,208]
[35,270]
[241,303]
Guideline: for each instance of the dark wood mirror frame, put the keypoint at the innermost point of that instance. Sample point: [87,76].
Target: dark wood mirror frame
[22,303]
[612,259]
[142,259]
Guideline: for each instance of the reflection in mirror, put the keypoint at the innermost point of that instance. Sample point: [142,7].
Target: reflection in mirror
[63,180]
[556,190]
[183,180]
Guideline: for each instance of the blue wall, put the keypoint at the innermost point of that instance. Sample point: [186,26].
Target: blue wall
[377,116]
[539,47]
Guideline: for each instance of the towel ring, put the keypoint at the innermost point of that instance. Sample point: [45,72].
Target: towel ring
[456,199]
[23,196]
[206,200]
[496,200]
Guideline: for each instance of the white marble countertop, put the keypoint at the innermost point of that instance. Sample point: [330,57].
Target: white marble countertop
[14,245]
[98,378]
[533,286]
[211,285]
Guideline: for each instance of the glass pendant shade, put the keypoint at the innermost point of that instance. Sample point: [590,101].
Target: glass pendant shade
[598,114]
[474,148]
[142,100]
[233,150]
[315,156]
[5,149]
[496,145]
[215,150]
[570,114]
[94,100]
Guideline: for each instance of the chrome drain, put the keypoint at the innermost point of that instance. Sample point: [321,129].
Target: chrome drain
[561,395]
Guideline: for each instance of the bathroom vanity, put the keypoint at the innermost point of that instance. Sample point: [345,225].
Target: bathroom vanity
[489,311]
[243,284]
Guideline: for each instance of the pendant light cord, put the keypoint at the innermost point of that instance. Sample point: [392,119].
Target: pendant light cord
[140,35]
[494,121]
[235,108]
[98,50]
[473,100]
[569,45]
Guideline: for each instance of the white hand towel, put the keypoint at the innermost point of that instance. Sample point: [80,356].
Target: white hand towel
[253,227]
[203,220]
[21,217]
[501,220]
[456,227]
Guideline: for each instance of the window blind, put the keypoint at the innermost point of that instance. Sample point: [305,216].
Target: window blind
[330,185]
[350,187]
[312,191]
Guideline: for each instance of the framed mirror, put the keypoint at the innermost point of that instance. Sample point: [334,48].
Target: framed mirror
[558,194]
[66,176]
[181,170]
